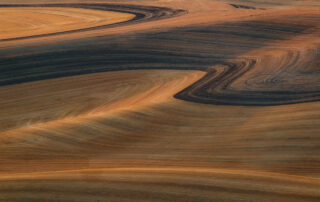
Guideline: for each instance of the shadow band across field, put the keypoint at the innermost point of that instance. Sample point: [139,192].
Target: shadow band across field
[219,49]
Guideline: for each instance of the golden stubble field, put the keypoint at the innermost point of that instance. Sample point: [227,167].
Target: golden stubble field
[159,100]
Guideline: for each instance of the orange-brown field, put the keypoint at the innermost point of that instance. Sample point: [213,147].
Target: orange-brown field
[160,100]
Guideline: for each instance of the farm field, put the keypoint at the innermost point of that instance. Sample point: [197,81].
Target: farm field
[159,100]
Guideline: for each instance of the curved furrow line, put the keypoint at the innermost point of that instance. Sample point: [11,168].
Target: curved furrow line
[187,48]
[142,14]
[288,78]
[157,184]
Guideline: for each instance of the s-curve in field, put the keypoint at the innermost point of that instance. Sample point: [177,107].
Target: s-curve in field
[160,100]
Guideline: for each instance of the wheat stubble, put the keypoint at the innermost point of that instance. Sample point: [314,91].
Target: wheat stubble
[186,101]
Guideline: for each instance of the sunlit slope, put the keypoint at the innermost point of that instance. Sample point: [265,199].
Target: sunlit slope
[98,121]
[33,21]
[66,98]
[122,136]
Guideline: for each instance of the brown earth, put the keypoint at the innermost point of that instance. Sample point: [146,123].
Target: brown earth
[215,101]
